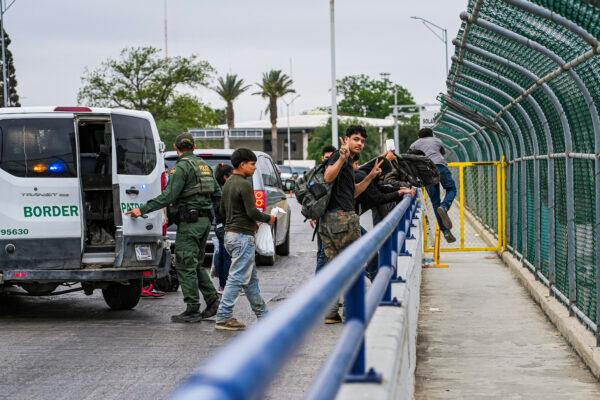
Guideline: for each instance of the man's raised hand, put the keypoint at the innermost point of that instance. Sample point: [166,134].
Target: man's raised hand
[376,170]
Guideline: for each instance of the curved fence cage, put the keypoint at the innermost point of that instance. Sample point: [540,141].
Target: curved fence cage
[533,69]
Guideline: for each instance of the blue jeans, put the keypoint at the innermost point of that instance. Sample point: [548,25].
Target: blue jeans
[242,276]
[434,193]
[222,258]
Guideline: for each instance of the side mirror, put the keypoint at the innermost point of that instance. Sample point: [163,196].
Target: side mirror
[289,184]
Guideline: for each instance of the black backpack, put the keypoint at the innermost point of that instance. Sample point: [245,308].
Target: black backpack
[416,169]
[313,193]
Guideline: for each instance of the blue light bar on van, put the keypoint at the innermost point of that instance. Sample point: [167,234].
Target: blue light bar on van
[57,167]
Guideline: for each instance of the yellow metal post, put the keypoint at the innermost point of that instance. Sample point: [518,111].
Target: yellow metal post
[436,251]
[499,203]
[461,179]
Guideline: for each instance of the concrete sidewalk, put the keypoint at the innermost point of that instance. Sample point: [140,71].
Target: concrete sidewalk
[481,337]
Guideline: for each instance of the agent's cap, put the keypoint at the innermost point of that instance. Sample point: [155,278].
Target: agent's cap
[184,140]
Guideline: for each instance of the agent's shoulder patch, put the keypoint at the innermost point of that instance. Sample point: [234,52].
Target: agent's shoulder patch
[204,169]
[172,171]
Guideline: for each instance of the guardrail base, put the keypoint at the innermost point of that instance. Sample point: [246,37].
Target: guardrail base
[393,303]
[371,376]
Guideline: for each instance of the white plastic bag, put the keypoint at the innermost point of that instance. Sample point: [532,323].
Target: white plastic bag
[264,240]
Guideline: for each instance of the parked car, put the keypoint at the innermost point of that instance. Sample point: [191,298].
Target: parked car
[68,175]
[267,185]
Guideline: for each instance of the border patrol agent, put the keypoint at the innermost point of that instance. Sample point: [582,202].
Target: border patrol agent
[192,191]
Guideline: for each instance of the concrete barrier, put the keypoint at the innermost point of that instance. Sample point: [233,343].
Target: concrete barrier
[391,339]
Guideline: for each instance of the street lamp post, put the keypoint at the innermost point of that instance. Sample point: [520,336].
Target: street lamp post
[443,37]
[289,140]
[3,9]
[334,121]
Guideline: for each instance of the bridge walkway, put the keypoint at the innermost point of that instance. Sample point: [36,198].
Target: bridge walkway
[482,337]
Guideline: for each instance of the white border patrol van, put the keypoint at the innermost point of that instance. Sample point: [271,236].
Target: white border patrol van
[67,177]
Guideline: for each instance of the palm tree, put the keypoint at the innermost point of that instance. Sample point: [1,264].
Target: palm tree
[275,84]
[230,89]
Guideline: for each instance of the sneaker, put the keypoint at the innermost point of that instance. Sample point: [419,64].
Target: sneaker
[449,237]
[443,213]
[213,272]
[211,309]
[333,319]
[230,324]
[150,292]
[190,315]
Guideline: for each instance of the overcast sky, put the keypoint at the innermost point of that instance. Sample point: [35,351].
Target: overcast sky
[53,42]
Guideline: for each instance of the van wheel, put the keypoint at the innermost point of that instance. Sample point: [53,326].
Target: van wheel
[123,297]
[284,248]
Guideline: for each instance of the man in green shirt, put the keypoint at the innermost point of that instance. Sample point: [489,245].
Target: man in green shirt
[192,190]
[241,217]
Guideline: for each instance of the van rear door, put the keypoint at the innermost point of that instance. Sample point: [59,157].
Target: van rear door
[40,201]
[137,170]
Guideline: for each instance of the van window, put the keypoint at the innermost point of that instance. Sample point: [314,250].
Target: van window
[38,147]
[136,154]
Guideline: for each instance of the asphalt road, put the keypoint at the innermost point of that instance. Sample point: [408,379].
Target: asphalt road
[73,347]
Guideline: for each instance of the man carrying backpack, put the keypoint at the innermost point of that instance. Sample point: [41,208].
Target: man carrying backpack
[433,148]
[340,226]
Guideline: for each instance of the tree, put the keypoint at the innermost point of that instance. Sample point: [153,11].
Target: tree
[275,84]
[186,112]
[142,80]
[230,89]
[13,97]
[366,97]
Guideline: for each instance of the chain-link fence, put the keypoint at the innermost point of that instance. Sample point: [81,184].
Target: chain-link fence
[525,84]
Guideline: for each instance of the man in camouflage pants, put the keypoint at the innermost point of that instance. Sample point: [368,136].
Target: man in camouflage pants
[192,190]
[340,226]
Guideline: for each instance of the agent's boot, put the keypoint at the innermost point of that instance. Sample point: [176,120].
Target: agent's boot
[190,315]
[211,309]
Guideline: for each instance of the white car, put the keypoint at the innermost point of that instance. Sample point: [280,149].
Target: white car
[68,176]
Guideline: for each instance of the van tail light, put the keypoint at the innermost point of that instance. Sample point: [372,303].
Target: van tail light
[163,181]
[163,185]
[260,200]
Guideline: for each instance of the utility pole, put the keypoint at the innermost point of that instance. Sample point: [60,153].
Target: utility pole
[166,32]
[289,136]
[334,121]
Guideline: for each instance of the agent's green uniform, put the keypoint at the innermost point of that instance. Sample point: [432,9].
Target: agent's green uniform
[191,184]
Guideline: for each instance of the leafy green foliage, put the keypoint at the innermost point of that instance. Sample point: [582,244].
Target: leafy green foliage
[366,97]
[13,97]
[142,80]
[187,112]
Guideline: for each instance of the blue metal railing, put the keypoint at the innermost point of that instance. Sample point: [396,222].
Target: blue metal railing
[246,366]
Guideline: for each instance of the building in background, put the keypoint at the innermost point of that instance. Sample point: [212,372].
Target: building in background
[256,135]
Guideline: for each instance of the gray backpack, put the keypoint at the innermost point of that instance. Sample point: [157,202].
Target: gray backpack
[313,193]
